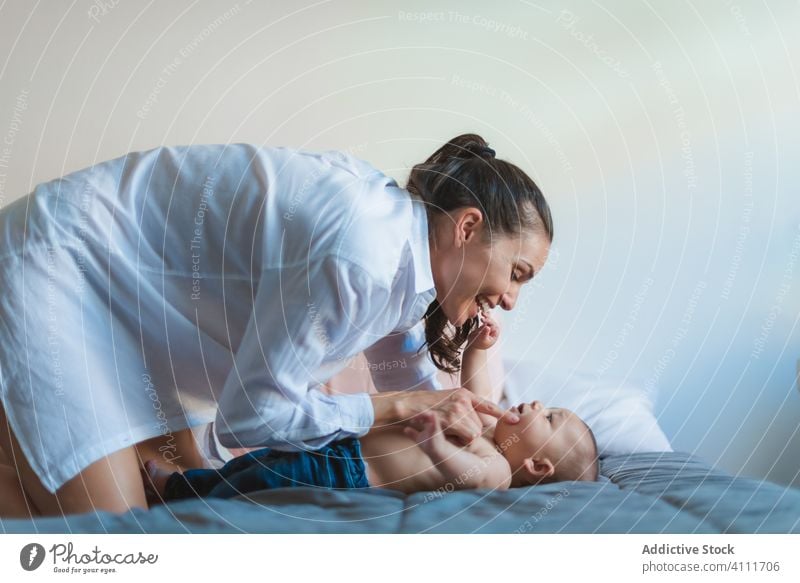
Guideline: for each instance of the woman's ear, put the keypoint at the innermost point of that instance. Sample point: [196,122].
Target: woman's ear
[467,222]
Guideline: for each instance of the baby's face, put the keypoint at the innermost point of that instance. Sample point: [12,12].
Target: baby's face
[541,433]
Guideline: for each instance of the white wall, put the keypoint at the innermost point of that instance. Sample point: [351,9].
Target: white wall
[664,135]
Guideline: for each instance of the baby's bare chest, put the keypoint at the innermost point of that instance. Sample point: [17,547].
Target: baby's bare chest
[397,462]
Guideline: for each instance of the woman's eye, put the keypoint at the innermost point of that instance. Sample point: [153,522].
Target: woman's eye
[550,417]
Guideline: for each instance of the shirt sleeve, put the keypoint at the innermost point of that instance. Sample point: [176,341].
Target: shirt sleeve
[303,315]
[400,362]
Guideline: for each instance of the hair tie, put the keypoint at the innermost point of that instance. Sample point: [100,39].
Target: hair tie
[482,151]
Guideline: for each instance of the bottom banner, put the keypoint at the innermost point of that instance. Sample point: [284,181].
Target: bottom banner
[399,557]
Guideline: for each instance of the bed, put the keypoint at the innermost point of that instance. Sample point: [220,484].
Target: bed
[647,492]
[645,487]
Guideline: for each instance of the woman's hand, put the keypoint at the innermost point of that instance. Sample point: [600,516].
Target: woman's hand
[425,430]
[456,410]
[485,336]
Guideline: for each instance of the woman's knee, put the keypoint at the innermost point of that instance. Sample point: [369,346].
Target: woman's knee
[13,502]
[15,473]
[4,459]
[112,483]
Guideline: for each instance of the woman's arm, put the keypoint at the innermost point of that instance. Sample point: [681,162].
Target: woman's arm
[453,408]
[267,400]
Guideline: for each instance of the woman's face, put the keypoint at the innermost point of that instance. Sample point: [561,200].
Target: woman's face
[467,270]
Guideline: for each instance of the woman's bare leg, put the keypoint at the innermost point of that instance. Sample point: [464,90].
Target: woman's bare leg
[112,483]
[13,502]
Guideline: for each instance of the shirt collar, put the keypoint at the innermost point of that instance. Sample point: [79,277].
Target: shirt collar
[420,249]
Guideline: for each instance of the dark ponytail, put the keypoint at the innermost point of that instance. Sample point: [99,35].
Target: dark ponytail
[465,173]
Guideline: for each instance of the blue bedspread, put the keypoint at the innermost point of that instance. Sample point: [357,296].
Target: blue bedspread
[644,493]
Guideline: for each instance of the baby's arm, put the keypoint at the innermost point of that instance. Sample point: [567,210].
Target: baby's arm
[474,364]
[475,373]
[461,468]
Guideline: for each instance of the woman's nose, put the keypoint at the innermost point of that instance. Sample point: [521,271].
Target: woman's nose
[507,301]
[536,405]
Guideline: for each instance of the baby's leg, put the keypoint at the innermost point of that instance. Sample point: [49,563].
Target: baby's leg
[332,466]
[177,451]
[154,480]
[162,485]
[258,470]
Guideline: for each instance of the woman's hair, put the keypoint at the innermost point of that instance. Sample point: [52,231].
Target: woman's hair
[465,173]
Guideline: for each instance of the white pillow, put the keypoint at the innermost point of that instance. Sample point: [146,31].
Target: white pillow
[619,413]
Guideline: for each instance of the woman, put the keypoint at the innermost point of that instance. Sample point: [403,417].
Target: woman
[172,287]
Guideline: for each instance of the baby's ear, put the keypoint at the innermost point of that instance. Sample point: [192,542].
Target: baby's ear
[538,469]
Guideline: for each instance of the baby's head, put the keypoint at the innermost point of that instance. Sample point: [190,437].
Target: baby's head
[547,445]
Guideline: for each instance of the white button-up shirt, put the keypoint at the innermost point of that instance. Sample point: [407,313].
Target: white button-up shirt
[207,283]
[346,270]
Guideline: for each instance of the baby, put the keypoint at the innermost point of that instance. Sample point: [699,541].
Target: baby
[546,445]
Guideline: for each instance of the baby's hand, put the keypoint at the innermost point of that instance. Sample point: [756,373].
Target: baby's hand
[425,429]
[485,336]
